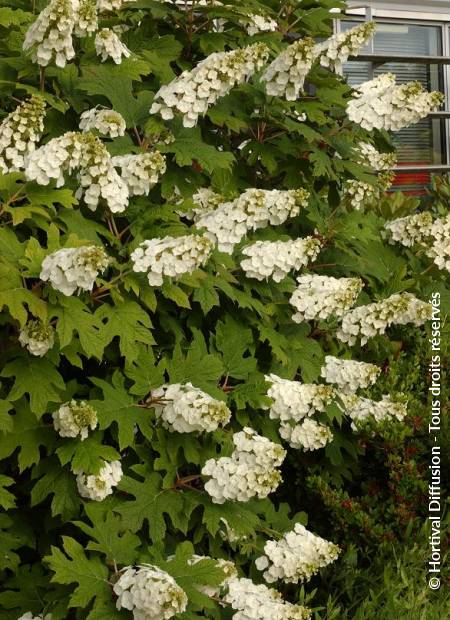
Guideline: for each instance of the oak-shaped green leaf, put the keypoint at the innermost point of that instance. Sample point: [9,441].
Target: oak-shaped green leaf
[14,17]
[88,455]
[110,535]
[116,83]
[162,51]
[36,377]
[279,517]
[374,258]
[52,100]
[322,164]
[191,577]
[234,340]
[49,196]
[130,323]
[189,147]
[237,515]
[59,482]
[198,366]
[206,295]
[15,533]
[151,503]
[11,249]
[25,588]
[243,298]
[145,373]
[7,499]
[279,344]
[251,393]
[118,407]
[28,434]
[103,609]
[73,566]
[75,317]
[175,293]
[73,221]
[16,297]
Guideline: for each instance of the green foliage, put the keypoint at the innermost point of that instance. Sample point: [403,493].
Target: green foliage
[73,566]
[36,377]
[61,553]
[392,586]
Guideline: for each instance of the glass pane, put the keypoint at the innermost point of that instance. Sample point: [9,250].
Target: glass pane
[423,143]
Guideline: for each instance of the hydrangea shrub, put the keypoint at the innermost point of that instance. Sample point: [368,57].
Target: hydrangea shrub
[201,279]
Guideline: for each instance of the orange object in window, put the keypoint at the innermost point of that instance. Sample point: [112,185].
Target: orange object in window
[414,183]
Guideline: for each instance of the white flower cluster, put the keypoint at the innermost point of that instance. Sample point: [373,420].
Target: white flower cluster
[258,602]
[349,375]
[150,593]
[70,269]
[336,50]
[420,228]
[108,45]
[292,400]
[250,471]
[98,178]
[86,18]
[286,75]
[106,122]
[49,38]
[185,409]
[193,92]
[205,200]
[277,258]
[368,155]
[140,172]
[75,418]
[319,297]
[98,486]
[296,557]
[411,229]
[85,153]
[37,337]
[365,322]
[255,208]
[381,104]
[29,616]
[439,250]
[106,6]
[20,131]
[260,23]
[360,193]
[362,410]
[171,256]
[50,160]
[308,435]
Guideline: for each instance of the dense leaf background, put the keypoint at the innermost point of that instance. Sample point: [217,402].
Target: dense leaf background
[215,328]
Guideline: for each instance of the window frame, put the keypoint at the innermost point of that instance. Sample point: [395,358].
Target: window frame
[369,11]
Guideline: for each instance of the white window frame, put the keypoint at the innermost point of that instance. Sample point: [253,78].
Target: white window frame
[438,10]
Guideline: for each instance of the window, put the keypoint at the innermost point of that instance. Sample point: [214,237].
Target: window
[422,144]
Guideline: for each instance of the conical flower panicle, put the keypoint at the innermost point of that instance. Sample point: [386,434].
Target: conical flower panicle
[20,132]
